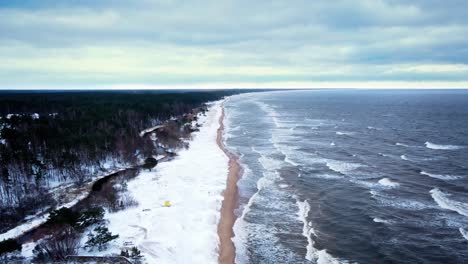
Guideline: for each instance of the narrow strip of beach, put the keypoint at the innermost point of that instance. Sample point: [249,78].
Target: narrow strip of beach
[227,251]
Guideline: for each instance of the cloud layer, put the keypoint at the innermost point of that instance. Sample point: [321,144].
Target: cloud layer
[233,43]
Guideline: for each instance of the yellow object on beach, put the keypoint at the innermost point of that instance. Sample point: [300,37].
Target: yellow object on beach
[167,204]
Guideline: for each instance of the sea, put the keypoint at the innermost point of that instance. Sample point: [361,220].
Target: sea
[351,176]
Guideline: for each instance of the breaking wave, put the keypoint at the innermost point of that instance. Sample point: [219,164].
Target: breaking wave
[440,176]
[339,133]
[401,144]
[442,147]
[388,183]
[380,220]
[404,157]
[442,199]
[464,233]
[312,254]
[341,166]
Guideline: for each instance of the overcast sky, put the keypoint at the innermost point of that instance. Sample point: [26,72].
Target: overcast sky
[211,44]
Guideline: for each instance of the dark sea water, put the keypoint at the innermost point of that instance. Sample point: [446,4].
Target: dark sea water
[337,176]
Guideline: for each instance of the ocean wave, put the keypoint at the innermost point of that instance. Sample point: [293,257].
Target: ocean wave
[288,160]
[464,233]
[312,254]
[307,230]
[442,199]
[328,176]
[380,220]
[440,176]
[240,225]
[270,111]
[404,157]
[396,202]
[339,133]
[388,183]
[442,147]
[270,163]
[341,166]
[332,144]
[387,155]
[401,144]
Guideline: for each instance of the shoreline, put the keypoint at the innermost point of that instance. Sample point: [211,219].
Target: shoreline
[227,250]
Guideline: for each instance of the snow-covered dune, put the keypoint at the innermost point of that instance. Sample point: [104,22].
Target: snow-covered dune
[186,232]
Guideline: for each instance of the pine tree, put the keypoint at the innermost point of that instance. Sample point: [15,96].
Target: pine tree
[135,253]
[100,238]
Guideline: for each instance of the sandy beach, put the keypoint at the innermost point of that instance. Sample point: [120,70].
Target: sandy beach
[227,251]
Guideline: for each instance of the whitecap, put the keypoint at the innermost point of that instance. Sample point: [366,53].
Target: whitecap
[332,144]
[380,220]
[307,229]
[328,176]
[442,147]
[442,199]
[401,144]
[440,176]
[339,133]
[388,183]
[464,233]
[312,254]
[404,157]
[366,184]
[341,166]
[396,202]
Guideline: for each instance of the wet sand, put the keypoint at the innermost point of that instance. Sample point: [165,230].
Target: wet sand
[227,251]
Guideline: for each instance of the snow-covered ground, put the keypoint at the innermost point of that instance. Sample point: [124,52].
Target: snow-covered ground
[39,219]
[193,183]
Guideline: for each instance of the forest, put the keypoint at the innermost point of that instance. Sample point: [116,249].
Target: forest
[49,139]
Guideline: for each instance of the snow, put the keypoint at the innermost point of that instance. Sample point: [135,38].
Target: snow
[40,219]
[23,228]
[193,182]
[142,133]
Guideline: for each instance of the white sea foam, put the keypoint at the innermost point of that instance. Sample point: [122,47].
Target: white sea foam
[396,202]
[401,144]
[288,160]
[442,147]
[341,166]
[270,111]
[388,183]
[328,176]
[441,176]
[332,144]
[312,254]
[339,133]
[240,226]
[464,233]
[380,220]
[307,229]
[404,157]
[443,200]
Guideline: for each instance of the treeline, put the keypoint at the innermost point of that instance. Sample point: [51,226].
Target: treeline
[47,139]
